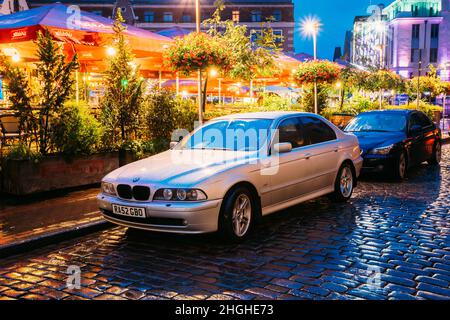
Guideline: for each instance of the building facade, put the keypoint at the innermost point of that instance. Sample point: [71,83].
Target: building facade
[411,36]
[157,15]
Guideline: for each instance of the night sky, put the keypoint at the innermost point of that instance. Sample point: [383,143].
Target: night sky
[336,16]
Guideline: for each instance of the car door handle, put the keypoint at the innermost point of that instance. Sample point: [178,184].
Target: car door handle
[336,149]
[307,156]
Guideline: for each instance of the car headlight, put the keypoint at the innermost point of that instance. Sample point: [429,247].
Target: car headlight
[179,194]
[382,150]
[108,188]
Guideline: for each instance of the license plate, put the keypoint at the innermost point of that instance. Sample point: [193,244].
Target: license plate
[129,211]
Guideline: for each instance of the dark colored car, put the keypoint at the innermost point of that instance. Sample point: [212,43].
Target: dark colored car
[394,140]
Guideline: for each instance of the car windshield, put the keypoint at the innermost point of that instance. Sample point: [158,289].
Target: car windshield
[229,134]
[381,122]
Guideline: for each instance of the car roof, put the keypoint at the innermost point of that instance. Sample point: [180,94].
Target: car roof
[391,111]
[271,115]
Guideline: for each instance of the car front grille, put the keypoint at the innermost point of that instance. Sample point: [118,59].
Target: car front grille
[140,193]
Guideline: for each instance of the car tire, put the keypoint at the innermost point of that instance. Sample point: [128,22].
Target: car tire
[235,224]
[437,153]
[400,167]
[344,183]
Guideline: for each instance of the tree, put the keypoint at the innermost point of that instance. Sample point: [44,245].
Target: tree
[382,80]
[55,77]
[248,59]
[21,97]
[429,84]
[123,96]
[317,71]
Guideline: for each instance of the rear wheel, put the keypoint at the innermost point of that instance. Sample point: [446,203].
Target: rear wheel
[400,167]
[437,153]
[237,214]
[344,184]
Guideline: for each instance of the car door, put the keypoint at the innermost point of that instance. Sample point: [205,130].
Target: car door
[323,149]
[293,168]
[428,135]
[417,145]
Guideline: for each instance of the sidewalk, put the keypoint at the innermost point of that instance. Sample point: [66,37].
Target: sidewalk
[24,221]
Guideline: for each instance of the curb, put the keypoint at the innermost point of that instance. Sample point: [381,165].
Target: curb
[53,238]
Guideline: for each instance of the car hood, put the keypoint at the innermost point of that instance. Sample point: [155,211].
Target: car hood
[181,167]
[373,139]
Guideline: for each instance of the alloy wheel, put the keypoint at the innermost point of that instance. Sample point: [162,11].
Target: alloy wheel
[402,166]
[346,182]
[242,214]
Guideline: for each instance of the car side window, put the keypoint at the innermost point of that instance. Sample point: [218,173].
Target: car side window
[425,121]
[290,130]
[317,131]
[415,120]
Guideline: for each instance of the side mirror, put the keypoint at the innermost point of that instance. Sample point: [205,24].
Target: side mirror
[173,144]
[282,147]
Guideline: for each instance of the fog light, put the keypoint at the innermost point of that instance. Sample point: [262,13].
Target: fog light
[181,194]
[168,194]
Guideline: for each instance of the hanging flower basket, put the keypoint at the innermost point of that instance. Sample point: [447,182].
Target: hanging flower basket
[196,51]
[320,71]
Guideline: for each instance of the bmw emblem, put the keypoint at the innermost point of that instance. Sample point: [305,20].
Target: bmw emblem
[136,179]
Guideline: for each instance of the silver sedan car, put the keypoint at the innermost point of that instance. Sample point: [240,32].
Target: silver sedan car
[231,171]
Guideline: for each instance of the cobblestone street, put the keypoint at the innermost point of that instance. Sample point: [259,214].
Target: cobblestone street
[391,241]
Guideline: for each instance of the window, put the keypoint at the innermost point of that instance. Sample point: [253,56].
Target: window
[415,55]
[149,16]
[290,130]
[97,12]
[433,55]
[434,31]
[186,18]
[278,36]
[317,131]
[235,16]
[277,15]
[168,17]
[419,119]
[256,16]
[415,31]
[255,35]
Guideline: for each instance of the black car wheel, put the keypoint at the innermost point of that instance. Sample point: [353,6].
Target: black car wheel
[400,167]
[437,153]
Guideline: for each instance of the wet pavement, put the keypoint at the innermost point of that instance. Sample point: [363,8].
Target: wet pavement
[25,218]
[391,241]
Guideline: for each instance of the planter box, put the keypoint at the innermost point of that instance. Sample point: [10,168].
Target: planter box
[341,120]
[23,177]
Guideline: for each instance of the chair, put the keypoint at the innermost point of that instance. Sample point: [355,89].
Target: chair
[9,127]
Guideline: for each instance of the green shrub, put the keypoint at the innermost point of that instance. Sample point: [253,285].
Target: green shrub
[425,107]
[160,116]
[185,114]
[323,92]
[75,131]
[22,151]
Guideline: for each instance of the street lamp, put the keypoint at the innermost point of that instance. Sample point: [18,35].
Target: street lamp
[199,76]
[310,28]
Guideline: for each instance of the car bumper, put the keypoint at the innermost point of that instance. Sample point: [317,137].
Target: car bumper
[378,164]
[183,217]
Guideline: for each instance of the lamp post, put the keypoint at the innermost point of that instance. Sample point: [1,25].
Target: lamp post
[199,76]
[310,27]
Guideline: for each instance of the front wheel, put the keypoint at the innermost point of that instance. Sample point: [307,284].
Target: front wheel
[437,153]
[400,167]
[344,184]
[237,214]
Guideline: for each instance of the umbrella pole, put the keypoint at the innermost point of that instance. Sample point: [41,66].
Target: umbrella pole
[178,84]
